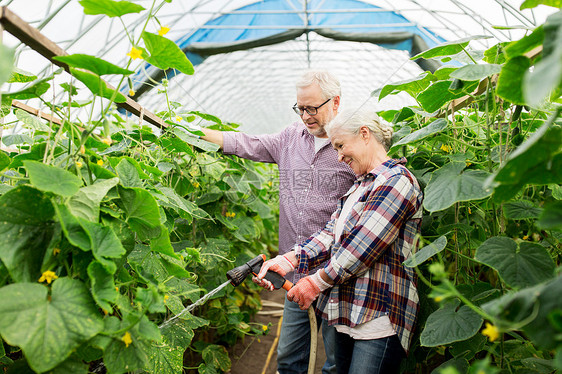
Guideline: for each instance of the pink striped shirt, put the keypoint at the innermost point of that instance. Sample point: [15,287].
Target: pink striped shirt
[310,183]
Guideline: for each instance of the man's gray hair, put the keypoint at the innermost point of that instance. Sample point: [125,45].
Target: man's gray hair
[329,84]
[350,121]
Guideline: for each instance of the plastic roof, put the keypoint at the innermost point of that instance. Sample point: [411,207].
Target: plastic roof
[255,87]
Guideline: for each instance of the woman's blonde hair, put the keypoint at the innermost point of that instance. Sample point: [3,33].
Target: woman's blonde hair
[351,121]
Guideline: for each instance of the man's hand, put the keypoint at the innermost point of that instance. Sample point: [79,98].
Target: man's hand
[307,290]
[281,264]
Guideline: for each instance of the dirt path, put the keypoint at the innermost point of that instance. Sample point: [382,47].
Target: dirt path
[250,355]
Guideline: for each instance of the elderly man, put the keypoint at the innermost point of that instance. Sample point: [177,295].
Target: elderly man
[311,180]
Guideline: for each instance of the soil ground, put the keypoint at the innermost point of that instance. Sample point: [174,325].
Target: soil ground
[250,355]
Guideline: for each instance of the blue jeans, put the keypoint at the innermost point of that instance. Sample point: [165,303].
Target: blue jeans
[376,356]
[293,350]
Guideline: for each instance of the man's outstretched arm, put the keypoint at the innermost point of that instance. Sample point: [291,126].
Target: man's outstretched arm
[213,136]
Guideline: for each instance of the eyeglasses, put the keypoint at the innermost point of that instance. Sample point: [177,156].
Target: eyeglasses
[311,110]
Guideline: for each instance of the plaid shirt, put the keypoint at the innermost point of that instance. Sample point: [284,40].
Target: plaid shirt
[366,265]
[310,183]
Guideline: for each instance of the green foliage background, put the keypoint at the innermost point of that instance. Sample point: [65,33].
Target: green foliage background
[134,227]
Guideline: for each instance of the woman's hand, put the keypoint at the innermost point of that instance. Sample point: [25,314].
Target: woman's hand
[307,290]
[281,264]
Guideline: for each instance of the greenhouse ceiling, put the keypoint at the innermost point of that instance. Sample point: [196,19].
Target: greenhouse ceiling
[248,54]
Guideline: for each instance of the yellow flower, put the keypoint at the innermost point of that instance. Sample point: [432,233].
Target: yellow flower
[107,141]
[48,277]
[445,148]
[468,164]
[231,214]
[132,92]
[264,327]
[166,297]
[56,251]
[116,288]
[491,332]
[100,162]
[163,30]
[78,164]
[438,298]
[469,211]
[195,184]
[82,149]
[178,118]
[526,237]
[127,339]
[135,53]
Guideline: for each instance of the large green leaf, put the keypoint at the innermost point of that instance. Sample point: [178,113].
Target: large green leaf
[72,229]
[32,91]
[545,80]
[120,358]
[162,244]
[6,63]
[14,139]
[518,264]
[142,258]
[97,86]
[539,147]
[185,208]
[21,76]
[128,174]
[142,211]
[476,72]
[426,252]
[527,4]
[216,356]
[26,228]
[86,202]
[103,286]
[165,54]
[510,80]
[525,44]
[547,172]
[93,64]
[551,217]
[450,324]
[30,121]
[47,326]
[110,8]
[434,127]
[104,241]
[52,179]
[246,228]
[4,160]
[164,359]
[448,48]
[522,209]
[179,333]
[450,184]
[411,86]
[540,329]
[436,95]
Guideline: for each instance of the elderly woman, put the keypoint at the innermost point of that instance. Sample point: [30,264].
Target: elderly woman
[364,290]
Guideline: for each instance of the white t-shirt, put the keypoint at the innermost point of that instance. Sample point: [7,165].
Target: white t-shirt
[319,142]
[379,327]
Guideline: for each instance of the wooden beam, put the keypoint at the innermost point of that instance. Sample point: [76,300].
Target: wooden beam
[47,48]
[35,112]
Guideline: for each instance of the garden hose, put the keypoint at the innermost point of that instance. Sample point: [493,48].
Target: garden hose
[313,339]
